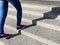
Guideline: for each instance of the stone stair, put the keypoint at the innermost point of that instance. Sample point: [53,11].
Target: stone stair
[43,24]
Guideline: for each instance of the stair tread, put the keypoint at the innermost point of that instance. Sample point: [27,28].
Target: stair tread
[12,22]
[20,40]
[37,6]
[42,32]
[45,33]
[31,17]
[51,21]
[31,11]
[34,13]
[51,3]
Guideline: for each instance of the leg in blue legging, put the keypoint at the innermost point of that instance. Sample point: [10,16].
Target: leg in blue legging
[3,14]
[17,5]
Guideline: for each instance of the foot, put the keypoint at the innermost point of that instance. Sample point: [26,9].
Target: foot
[21,27]
[4,35]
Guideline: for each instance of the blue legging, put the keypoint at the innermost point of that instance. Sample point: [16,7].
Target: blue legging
[4,9]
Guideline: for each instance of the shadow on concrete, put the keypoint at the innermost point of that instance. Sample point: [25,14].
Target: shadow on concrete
[47,15]
[13,35]
[53,14]
[19,32]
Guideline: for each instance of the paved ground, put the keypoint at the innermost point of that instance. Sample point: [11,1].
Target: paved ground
[44,32]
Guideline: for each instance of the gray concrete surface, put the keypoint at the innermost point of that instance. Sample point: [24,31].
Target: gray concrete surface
[19,40]
[34,35]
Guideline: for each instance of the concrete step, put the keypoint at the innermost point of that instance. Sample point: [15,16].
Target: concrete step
[41,13]
[34,6]
[19,39]
[37,7]
[34,35]
[28,12]
[50,23]
[40,21]
[10,21]
[28,16]
[36,18]
[32,11]
[41,34]
[51,3]
[44,33]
